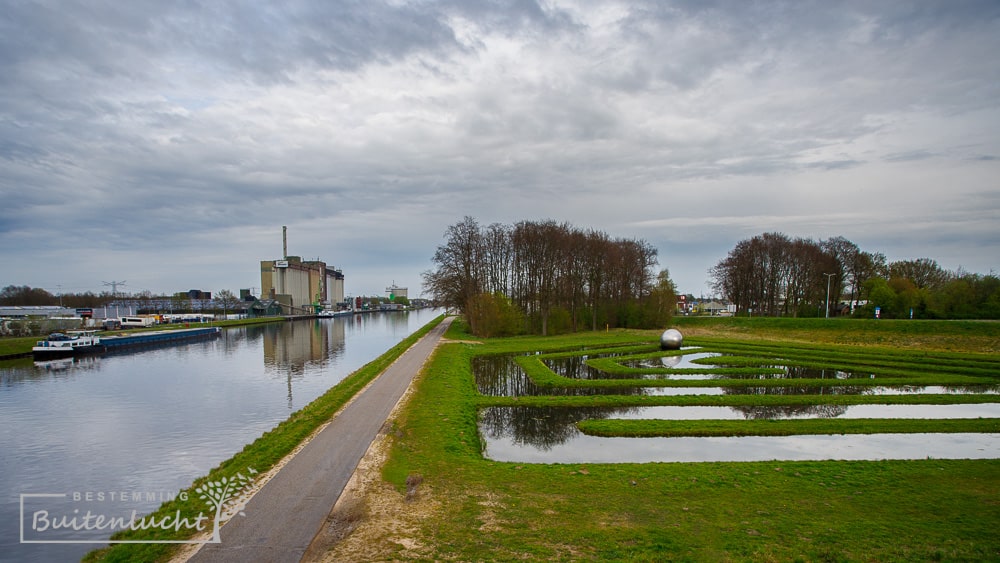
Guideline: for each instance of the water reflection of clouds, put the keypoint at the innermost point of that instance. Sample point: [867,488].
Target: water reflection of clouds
[501,376]
[549,434]
[593,449]
[778,412]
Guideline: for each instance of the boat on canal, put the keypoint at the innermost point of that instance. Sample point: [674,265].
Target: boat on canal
[83,342]
[70,343]
[325,313]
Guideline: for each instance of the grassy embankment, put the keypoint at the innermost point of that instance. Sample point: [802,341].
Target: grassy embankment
[261,455]
[474,509]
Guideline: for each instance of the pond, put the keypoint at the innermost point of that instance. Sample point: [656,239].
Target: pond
[500,376]
[669,367]
[549,434]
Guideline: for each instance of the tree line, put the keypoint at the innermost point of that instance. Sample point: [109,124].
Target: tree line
[23,295]
[777,275]
[547,277]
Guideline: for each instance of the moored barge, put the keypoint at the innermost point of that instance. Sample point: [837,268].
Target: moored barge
[70,343]
[79,343]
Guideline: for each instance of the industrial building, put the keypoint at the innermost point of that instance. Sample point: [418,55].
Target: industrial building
[394,291]
[301,287]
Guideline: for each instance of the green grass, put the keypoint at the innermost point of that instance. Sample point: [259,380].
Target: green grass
[978,336]
[17,345]
[260,455]
[923,510]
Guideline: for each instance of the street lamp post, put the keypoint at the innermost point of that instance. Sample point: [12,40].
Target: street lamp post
[828,277]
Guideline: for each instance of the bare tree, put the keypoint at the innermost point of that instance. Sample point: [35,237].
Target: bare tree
[541,268]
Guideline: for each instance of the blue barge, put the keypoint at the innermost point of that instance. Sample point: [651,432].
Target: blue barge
[115,343]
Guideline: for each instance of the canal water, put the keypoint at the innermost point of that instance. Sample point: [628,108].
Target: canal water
[141,426]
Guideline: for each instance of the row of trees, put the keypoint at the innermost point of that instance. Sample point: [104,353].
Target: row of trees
[22,295]
[773,274]
[547,277]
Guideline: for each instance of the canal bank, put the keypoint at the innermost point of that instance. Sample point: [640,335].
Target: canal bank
[278,441]
[158,420]
[280,521]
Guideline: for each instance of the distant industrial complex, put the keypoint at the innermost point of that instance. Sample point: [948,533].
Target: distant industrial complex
[289,286]
[299,286]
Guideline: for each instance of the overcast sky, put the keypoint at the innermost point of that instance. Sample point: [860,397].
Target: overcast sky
[165,144]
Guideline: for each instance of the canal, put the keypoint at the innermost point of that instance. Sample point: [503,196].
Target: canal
[143,425]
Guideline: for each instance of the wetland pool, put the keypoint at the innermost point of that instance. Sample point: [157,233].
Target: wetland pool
[550,435]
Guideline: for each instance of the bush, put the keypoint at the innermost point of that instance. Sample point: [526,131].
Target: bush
[493,314]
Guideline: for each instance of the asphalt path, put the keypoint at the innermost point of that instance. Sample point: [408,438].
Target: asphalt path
[289,510]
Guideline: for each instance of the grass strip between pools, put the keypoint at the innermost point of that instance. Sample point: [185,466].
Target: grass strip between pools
[705,428]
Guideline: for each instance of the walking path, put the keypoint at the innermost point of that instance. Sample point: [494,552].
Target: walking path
[284,516]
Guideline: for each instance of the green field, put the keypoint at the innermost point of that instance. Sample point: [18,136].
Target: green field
[444,501]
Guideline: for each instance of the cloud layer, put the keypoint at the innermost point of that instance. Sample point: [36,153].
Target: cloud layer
[167,143]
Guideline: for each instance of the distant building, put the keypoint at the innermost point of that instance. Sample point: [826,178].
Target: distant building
[199,295]
[713,307]
[394,291]
[36,311]
[264,308]
[301,286]
[334,287]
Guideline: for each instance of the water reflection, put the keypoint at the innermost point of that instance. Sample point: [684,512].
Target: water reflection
[688,366]
[501,376]
[549,435]
[592,449]
[675,361]
[539,427]
[979,410]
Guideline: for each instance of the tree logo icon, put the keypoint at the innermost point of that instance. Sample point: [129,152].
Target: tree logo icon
[223,494]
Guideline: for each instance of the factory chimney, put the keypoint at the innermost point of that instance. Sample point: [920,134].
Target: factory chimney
[284,242]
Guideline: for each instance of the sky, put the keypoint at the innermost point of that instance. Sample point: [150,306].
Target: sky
[165,144]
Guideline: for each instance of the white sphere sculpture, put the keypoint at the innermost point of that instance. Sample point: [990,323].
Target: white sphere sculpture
[671,339]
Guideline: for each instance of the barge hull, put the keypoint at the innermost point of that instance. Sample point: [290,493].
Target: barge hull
[115,343]
[66,352]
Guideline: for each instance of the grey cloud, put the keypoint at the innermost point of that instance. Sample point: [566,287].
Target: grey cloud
[835,164]
[909,156]
[141,124]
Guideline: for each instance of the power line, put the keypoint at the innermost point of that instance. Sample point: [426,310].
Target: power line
[114,287]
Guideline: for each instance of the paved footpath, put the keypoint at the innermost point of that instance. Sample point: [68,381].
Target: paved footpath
[290,509]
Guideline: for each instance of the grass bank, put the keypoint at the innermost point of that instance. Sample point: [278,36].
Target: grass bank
[963,336]
[475,509]
[261,455]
